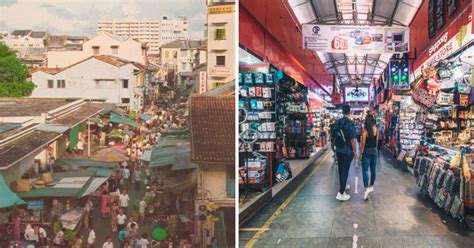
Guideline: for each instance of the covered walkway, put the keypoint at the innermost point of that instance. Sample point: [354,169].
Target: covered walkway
[395,215]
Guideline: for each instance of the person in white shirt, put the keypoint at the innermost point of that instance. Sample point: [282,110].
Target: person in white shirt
[141,211]
[91,238]
[80,147]
[143,242]
[121,220]
[108,243]
[124,199]
[42,235]
[30,234]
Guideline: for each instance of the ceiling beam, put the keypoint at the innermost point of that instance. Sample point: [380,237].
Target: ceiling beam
[336,71]
[313,6]
[390,20]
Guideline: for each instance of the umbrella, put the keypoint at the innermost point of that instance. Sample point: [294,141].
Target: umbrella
[111,154]
[159,234]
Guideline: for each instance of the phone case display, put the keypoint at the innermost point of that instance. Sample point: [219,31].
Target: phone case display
[440,179]
[293,115]
[257,97]
[411,129]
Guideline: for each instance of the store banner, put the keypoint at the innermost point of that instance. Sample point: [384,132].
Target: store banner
[454,38]
[202,82]
[360,39]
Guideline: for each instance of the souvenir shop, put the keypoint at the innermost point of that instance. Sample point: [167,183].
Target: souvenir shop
[429,128]
[282,125]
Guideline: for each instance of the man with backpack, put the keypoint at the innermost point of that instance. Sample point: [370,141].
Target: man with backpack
[345,141]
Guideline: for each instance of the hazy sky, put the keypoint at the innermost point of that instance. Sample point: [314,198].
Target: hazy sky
[79,17]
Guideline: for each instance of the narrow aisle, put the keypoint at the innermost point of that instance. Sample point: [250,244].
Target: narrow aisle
[394,216]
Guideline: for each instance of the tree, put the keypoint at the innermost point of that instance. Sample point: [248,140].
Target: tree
[13,75]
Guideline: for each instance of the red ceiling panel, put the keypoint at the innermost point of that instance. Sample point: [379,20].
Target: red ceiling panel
[281,44]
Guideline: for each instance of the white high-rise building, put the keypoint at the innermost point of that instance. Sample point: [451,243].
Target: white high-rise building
[154,33]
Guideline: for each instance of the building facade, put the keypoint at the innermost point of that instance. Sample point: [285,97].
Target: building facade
[104,78]
[154,33]
[102,44]
[179,56]
[221,43]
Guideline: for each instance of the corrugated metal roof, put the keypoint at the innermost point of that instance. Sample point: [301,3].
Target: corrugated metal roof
[51,128]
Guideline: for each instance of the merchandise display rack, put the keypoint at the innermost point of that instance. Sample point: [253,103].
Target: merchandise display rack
[293,97]
[256,159]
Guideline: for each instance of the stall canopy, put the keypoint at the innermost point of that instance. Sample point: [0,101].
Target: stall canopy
[115,118]
[83,163]
[74,184]
[5,127]
[144,117]
[171,152]
[176,131]
[7,197]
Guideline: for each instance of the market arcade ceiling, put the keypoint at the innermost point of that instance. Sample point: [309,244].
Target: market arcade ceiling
[355,69]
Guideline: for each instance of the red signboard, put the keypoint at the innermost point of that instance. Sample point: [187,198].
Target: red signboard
[441,44]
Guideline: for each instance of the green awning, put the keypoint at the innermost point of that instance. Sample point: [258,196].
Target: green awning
[83,163]
[7,197]
[100,172]
[55,191]
[115,118]
[144,117]
[5,127]
[177,131]
[163,156]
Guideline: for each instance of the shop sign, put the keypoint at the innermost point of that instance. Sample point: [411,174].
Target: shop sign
[202,82]
[457,35]
[421,95]
[32,205]
[221,9]
[363,39]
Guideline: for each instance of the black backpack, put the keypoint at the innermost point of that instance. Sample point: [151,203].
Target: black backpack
[340,137]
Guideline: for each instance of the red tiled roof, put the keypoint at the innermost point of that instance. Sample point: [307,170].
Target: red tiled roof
[115,61]
[212,129]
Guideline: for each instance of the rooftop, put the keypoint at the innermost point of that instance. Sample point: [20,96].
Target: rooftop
[13,151]
[185,44]
[212,129]
[28,106]
[21,32]
[76,116]
[38,34]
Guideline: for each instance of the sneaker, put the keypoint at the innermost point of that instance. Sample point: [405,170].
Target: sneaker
[371,188]
[348,187]
[366,194]
[343,197]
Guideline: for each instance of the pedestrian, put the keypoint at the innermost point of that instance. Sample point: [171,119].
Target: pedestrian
[138,177]
[346,150]
[368,154]
[105,204]
[213,243]
[43,236]
[380,135]
[126,174]
[106,187]
[141,210]
[30,234]
[113,216]
[133,233]
[80,147]
[143,242]
[124,199]
[51,163]
[108,243]
[58,239]
[77,241]
[16,227]
[91,239]
[121,220]
[123,236]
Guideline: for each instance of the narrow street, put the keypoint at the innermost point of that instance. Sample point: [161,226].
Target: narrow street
[395,215]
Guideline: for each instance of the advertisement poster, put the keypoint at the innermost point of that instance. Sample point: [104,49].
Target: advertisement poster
[356,94]
[344,39]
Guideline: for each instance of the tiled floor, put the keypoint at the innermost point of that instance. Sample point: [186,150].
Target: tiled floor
[394,216]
